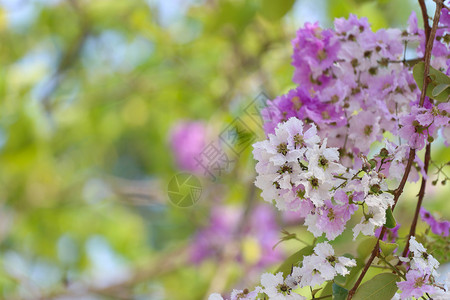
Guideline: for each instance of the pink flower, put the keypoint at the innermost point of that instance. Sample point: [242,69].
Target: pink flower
[437,227]
[417,283]
[417,127]
[187,140]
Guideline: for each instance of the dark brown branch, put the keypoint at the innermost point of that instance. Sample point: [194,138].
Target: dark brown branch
[399,190]
[367,266]
[412,152]
[426,25]
[412,230]
[429,43]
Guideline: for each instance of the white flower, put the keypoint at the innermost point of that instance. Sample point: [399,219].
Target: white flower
[322,266]
[215,296]
[326,252]
[399,156]
[365,227]
[311,271]
[323,161]
[316,189]
[421,259]
[276,288]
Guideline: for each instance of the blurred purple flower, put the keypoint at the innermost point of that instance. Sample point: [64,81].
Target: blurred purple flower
[437,227]
[187,140]
[391,234]
[225,228]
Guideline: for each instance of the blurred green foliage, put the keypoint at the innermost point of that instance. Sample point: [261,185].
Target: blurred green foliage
[89,91]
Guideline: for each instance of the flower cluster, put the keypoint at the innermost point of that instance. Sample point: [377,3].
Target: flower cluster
[259,233]
[353,124]
[300,173]
[355,85]
[437,227]
[420,278]
[317,268]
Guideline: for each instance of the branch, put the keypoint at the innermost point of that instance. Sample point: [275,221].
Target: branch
[430,42]
[367,266]
[426,25]
[412,152]
[412,230]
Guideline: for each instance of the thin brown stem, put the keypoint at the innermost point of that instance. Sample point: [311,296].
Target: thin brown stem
[430,35]
[429,42]
[399,190]
[367,266]
[426,26]
[412,230]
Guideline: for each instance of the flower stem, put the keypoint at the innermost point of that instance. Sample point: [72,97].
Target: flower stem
[412,230]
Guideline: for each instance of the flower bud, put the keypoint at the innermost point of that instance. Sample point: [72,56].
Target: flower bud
[384,153]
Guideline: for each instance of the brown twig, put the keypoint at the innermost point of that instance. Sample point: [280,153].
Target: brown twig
[426,25]
[412,153]
[367,266]
[429,43]
[412,230]
[399,190]
[427,58]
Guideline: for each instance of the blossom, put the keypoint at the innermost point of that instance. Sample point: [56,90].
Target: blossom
[215,296]
[421,260]
[330,218]
[321,266]
[323,161]
[416,127]
[275,287]
[261,230]
[315,50]
[245,294]
[417,283]
[364,129]
[437,227]
[187,140]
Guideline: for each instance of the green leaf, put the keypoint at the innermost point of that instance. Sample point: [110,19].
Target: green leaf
[327,290]
[275,10]
[440,88]
[437,78]
[390,220]
[387,248]
[293,260]
[365,247]
[382,286]
[339,293]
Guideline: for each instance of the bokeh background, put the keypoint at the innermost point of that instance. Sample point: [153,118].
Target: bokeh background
[103,103]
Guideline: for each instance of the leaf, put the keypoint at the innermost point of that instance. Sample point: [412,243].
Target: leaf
[390,220]
[275,10]
[354,272]
[387,248]
[293,260]
[382,286]
[339,293]
[327,290]
[437,78]
[440,88]
[365,247]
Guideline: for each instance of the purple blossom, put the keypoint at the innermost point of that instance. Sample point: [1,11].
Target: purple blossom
[187,140]
[331,218]
[391,234]
[315,50]
[223,229]
[416,127]
[437,227]
[417,283]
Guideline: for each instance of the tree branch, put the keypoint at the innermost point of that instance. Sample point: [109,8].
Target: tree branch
[412,152]
[412,230]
